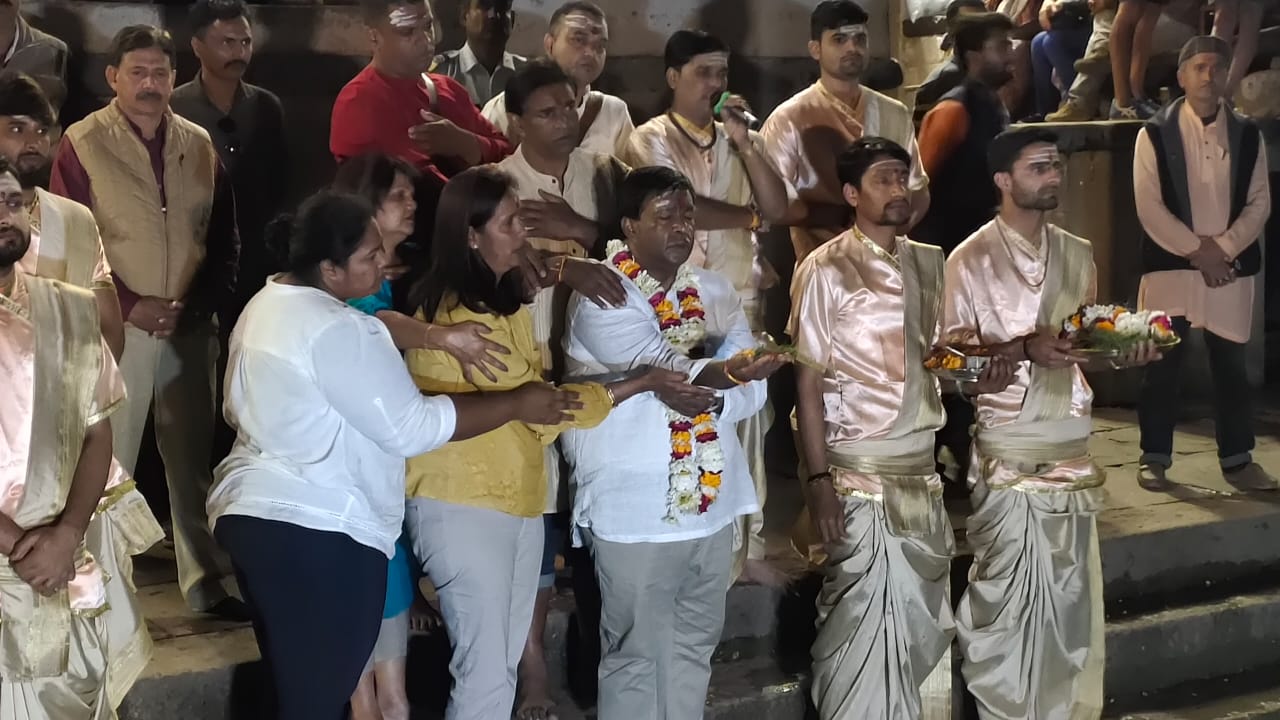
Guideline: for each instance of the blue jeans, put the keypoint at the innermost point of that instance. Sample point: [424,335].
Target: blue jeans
[1055,50]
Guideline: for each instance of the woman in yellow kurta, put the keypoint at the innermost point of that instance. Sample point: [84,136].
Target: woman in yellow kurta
[474,513]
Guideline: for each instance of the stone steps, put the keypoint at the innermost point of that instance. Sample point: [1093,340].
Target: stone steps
[1191,598]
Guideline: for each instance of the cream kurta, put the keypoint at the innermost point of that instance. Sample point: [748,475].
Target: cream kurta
[78,690]
[589,185]
[607,135]
[1225,311]
[884,614]
[806,134]
[1030,623]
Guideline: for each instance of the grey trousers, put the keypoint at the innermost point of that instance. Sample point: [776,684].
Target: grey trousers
[175,378]
[484,565]
[662,615]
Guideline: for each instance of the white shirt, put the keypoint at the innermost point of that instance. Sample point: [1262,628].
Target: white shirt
[325,414]
[620,468]
[608,135]
[578,189]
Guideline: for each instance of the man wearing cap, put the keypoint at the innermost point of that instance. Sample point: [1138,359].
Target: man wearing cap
[1030,623]
[1200,186]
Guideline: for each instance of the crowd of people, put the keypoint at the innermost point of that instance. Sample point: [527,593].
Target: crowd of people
[1064,51]
[516,323]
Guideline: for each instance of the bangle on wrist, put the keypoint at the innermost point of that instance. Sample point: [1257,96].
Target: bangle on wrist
[756,221]
[735,380]
[1026,354]
[818,477]
[613,399]
[426,337]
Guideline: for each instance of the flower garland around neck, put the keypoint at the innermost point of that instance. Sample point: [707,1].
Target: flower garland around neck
[697,461]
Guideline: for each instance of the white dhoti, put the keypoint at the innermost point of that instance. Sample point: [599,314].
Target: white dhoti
[1031,624]
[884,612]
[79,693]
[123,527]
[884,620]
[749,537]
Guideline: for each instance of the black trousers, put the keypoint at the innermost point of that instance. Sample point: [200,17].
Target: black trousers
[317,599]
[1159,404]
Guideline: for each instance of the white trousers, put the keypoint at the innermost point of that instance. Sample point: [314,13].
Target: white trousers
[484,565]
[175,378]
[662,614]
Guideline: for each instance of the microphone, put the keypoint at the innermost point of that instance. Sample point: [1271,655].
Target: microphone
[753,122]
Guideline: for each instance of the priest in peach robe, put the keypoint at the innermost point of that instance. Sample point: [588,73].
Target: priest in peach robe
[1030,624]
[65,246]
[738,193]
[865,312]
[806,133]
[55,451]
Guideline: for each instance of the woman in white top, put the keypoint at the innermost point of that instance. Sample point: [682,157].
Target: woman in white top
[311,499]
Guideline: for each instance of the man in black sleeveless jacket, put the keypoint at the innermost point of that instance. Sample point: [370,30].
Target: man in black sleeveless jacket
[956,133]
[954,139]
[1200,187]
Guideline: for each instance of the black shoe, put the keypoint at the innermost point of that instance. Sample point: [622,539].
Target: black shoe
[231,609]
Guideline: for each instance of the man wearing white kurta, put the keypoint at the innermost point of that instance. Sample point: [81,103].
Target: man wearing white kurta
[738,192]
[578,41]
[663,548]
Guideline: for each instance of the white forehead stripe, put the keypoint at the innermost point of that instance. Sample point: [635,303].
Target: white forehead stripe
[1047,155]
[578,21]
[404,17]
[852,30]
[886,161]
[718,58]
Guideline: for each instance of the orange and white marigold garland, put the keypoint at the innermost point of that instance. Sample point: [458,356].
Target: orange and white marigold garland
[697,461]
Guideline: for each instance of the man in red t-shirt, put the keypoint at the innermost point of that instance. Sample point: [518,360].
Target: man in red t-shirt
[394,106]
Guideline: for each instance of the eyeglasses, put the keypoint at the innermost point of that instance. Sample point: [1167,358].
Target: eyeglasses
[229,128]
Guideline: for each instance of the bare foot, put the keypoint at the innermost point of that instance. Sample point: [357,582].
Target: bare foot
[536,708]
[535,702]
[423,616]
[763,572]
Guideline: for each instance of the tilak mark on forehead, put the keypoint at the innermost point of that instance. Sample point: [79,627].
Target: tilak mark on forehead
[719,57]
[403,16]
[1044,155]
[578,21]
[851,30]
[886,161]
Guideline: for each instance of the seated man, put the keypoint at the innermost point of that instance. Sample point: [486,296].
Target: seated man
[662,531]
[1177,24]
